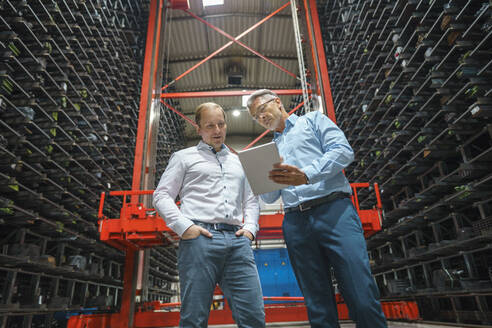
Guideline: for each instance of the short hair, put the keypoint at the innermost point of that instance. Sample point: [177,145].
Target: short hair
[262,93]
[200,108]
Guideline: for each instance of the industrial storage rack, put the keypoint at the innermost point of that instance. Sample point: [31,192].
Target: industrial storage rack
[71,75]
[412,89]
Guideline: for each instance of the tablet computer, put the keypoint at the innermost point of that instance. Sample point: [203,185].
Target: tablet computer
[257,162]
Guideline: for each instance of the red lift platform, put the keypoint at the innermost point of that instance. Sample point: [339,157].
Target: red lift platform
[139,226]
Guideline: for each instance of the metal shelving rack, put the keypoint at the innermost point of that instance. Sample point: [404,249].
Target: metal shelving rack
[71,75]
[411,86]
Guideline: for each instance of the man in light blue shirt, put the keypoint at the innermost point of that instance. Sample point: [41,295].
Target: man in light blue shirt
[217,220]
[321,227]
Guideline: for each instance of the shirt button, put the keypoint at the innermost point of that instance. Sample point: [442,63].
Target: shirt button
[224,187]
[226,201]
[227,215]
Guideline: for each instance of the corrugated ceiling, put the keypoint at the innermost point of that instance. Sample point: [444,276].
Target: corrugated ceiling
[188,41]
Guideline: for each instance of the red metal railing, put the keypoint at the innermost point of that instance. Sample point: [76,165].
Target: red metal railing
[137,227]
[140,227]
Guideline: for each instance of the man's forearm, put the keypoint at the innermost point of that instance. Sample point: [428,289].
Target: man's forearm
[169,211]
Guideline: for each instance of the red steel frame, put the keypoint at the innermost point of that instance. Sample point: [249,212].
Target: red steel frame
[138,228]
[319,57]
[147,79]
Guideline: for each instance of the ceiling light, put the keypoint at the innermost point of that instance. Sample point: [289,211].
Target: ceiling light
[244,100]
[235,72]
[236,113]
[207,3]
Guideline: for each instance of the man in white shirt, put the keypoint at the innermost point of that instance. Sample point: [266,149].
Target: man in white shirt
[215,245]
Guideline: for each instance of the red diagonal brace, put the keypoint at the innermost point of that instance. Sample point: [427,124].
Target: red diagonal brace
[228,44]
[179,113]
[241,44]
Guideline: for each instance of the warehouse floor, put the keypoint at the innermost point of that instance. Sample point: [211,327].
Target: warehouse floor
[349,324]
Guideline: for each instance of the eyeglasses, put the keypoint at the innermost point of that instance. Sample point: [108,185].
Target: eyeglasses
[261,109]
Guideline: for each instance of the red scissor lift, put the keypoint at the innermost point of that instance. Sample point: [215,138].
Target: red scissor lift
[139,226]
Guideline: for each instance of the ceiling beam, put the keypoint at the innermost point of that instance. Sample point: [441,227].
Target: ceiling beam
[245,54]
[277,88]
[234,14]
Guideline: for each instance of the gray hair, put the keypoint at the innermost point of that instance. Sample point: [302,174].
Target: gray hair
[262,93]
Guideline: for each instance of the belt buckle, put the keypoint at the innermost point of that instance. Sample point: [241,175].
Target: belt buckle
[215,226]
[303,208]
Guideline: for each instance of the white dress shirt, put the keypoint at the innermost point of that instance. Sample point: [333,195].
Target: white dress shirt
[212,188]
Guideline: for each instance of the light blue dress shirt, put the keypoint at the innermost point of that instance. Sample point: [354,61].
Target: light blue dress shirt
[212,187]
[319,148]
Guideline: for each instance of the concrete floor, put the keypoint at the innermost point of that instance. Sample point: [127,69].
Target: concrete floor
[395,324]
[349,324]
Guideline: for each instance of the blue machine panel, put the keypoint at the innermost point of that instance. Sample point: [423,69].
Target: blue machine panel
[276,274]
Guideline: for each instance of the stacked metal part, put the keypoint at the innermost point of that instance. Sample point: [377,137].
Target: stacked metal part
[411,82]
[71,73]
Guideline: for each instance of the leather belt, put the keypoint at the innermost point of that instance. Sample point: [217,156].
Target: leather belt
[318,201]
[218,226]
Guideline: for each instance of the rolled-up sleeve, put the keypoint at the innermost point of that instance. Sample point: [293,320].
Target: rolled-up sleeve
[164,198]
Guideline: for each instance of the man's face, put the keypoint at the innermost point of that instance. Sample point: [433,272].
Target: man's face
[266,111]
[212,127]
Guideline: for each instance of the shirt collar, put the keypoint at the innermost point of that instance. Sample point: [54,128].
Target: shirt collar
[290,122]
[204,146]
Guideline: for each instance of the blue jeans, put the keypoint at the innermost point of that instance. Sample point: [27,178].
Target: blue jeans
[227,260]
[331,235]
